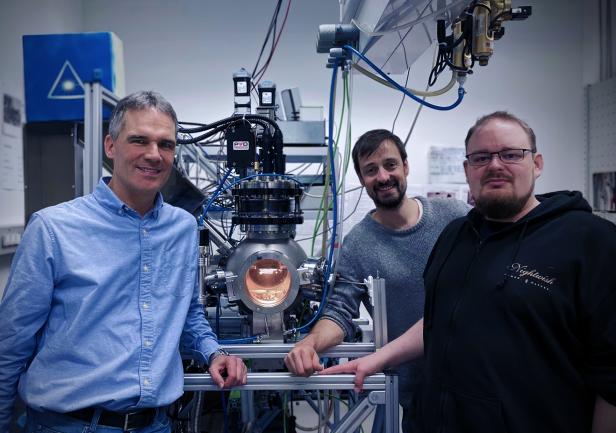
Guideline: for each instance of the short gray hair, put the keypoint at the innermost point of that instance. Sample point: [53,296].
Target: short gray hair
[139,101]
[503,115]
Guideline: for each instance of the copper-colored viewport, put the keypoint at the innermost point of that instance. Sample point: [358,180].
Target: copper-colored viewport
[268,282]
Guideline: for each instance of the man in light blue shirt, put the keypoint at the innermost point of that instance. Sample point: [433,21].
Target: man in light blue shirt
[103,294]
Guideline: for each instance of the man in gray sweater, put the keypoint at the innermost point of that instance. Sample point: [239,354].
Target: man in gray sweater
[393,241]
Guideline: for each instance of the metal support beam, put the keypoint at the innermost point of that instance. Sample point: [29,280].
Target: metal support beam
[287,381]
[224,247]
[248,406]
[392,415]
[77,160]
[97,134]
[266,350]
[95,95]
[380,312]
[88,120]
[355,417]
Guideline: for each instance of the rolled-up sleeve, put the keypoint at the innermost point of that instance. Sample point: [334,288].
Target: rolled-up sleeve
[346,295]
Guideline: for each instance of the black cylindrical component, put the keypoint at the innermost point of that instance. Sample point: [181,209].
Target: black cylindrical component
[272,201]
[267,153]
[440,31]
[280,159]
[204,237]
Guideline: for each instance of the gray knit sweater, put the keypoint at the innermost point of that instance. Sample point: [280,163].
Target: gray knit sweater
[398,256]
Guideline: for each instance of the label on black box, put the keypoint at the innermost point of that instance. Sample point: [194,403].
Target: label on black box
[241,145]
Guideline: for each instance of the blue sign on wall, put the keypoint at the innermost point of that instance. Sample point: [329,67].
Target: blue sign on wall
[56,66]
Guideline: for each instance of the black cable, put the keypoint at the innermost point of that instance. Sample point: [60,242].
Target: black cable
[406,82]
[262,71]
[203,144]
[445,55]
[263,121]
[202,127]
[404,37]
[438,67]
[181,122]
[230,235]
[256,77]
[268,34]
[393,126]
[269,56]
[218,312]
[226,120]
[213,132]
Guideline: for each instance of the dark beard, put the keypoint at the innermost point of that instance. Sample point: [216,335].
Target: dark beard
[501,208]
[391,203]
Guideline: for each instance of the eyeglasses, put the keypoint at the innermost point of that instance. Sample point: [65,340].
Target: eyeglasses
[508,156]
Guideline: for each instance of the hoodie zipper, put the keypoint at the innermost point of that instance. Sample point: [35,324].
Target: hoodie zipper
[443,399]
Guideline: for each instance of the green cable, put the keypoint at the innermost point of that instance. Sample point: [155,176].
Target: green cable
[347,149]
[323,206]
[320,219]
[284,412]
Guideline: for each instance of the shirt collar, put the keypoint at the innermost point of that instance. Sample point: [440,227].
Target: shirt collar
[108,199]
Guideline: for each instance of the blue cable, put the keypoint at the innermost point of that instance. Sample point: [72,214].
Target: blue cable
[330,257]
[461,90]
[240,340]
[213,197]
[218,316]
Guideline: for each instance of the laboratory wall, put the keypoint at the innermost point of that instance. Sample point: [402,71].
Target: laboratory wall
[189,49]
[18,18]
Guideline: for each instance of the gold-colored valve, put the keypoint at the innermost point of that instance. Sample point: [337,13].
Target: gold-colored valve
[458,51]
[482,39]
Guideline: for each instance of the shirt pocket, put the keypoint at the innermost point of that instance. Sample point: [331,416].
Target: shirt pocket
[176,274]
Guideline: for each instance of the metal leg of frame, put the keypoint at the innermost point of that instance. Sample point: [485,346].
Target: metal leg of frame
[380,313]
[265,420]
[95,95]
[88,147]
[78,161]
[247,407]
[97,134]
[359,413]
[336,406]
[392,416]
[93,126]
[379,419]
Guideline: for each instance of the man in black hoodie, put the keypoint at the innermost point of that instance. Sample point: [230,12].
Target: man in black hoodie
[519,332]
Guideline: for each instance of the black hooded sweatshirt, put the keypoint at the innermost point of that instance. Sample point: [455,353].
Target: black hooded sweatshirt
[520,321]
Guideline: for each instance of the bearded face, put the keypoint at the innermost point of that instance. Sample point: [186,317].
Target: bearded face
[383,174]
[502,190]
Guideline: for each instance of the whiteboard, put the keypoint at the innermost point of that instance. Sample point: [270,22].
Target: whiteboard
[11,160]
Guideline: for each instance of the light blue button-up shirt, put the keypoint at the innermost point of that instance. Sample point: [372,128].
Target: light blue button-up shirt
[98,305]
